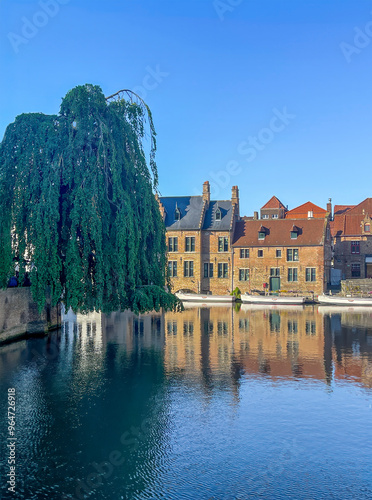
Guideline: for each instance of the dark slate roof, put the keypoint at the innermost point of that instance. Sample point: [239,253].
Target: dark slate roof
[190,207]
[191,211]
[210,222]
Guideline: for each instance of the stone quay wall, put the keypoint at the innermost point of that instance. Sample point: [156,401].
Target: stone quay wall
[356,286]
[19,316]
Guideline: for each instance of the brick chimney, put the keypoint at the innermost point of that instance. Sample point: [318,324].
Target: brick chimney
[255,215]
[206,192]
[235,196]
[329,208]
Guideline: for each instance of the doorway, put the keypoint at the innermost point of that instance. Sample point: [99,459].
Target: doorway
[368,266]
[274,284]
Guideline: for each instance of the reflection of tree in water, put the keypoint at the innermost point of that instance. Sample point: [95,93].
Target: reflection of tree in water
[94,403]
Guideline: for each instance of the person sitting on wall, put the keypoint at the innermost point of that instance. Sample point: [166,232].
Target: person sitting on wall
[26,280]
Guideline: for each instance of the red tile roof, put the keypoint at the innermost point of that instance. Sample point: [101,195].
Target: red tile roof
[274,202]
[302,211]
[353,224]
[337,226]
[348,218]
[339,209]
[365,206]
[278,233]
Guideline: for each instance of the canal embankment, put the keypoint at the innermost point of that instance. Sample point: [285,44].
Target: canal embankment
[20,318]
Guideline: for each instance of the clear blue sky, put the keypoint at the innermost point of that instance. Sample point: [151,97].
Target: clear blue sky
[225,70]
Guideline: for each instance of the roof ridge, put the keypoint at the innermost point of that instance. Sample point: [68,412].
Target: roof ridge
[273,198]
[356,206]
[304,204]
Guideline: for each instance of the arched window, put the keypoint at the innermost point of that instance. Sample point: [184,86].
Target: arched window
[367,228]
[218,214]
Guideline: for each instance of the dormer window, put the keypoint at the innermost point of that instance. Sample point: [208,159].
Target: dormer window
[294,233]
[261,233]
[177,214]
[367,228]
[218,214]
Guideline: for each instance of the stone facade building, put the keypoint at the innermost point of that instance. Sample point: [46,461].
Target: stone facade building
[282,254]
[352,240]
[199,234]
[211,249]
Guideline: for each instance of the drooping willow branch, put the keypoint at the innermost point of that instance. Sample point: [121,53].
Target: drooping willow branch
[77,207]
[118,96]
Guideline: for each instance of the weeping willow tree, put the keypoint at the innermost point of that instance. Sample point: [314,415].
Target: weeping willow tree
[77,205]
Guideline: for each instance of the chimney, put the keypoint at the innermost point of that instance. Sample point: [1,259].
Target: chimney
[255,215]
[235,197]
[329,207]
[206,192]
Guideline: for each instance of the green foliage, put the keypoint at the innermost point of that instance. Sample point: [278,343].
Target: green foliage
[237,306]
[77,202]
[237,293]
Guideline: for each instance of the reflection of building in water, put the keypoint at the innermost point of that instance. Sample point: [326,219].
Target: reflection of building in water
[219,341]
[216,343]
[199,343]
[350,332]
[283,342]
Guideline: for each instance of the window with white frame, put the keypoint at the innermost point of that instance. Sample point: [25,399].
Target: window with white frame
[244,274]
[223,270]
[292,254]
[190,244]
[172,266]
[292,274]
[188,268]
[223,244]
[173,244]
[310,274]
[208,270]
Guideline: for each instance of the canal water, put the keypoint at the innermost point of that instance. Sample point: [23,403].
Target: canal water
[211,403]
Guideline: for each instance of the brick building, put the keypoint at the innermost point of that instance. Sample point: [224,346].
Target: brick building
[199,233]
[273,209]
[352,240]
[282,254]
